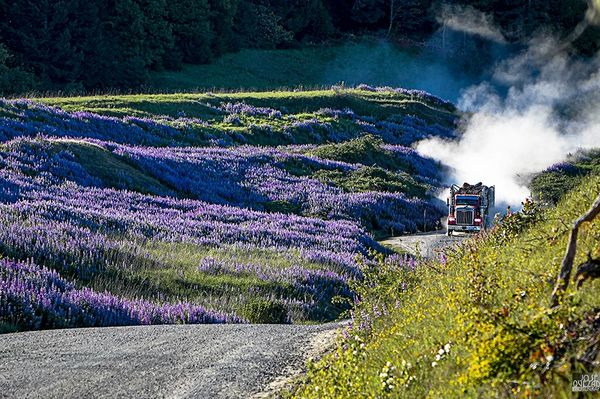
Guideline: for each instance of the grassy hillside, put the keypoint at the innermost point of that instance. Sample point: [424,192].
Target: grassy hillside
[206,207]
[550,185]
[475,323]
[365,101]
[373,61]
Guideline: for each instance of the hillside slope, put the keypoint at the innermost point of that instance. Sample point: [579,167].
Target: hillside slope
[477,322]
[207,207]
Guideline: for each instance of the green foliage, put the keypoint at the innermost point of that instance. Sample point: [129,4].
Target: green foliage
[223,22]
[370,178]
[513,225]
[12,79]
[384,171]
[308,20]
[302,103]
[365,150]
[190,21]
[283,207]
[478,322]
[550,186]
[260,27]
[6,328]
[113,170]
[90,45]
[296,167]
[265,312]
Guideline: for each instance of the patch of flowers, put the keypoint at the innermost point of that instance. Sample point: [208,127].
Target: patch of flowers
[35,297]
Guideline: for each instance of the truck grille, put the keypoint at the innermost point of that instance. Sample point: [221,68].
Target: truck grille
[464,217]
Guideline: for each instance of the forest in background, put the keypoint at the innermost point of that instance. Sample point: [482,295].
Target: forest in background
[78,46]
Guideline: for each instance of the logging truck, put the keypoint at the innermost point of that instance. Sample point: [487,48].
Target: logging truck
[469,207]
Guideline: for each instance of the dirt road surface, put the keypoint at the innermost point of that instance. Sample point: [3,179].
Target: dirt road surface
[181,361]
[426,244]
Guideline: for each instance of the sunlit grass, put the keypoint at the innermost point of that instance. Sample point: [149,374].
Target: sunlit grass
[489,303]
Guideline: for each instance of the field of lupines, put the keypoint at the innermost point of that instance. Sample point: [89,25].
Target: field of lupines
[205,208]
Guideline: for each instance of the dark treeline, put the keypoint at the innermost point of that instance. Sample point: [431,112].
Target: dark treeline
[80,45]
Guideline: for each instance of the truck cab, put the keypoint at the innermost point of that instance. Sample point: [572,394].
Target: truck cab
[468,208]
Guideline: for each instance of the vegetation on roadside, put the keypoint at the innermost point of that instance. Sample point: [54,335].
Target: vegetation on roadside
[552,184]
[477,321]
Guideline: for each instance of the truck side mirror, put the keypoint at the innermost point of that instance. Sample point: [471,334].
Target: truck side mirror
[447,201]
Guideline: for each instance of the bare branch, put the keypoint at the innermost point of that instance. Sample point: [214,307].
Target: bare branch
[567,264]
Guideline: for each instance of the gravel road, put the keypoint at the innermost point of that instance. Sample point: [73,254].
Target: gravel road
[425,244]
[181,361]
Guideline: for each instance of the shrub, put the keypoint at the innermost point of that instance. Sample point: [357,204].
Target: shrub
[265,311]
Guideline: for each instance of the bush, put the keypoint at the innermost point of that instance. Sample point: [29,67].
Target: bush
[371,178]
[265,312]
[550,187]
[6,328]
[366,150]
[552,184]
[283,207]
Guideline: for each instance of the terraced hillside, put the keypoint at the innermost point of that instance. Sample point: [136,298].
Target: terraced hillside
[202,208]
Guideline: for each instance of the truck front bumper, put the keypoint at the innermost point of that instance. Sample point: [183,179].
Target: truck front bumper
[468,229]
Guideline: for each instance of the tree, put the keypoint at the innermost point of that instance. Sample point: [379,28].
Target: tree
[39,35]
[369,12]
[125,40]
[13,79]
[190,22]
[158,33]
[305,19]
[258,26]
[223,25]
[410,17]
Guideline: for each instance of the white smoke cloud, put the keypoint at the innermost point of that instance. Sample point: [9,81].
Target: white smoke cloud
[551,108]
[469,20]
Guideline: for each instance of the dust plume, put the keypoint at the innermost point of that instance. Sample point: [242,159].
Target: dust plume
[469,20]
[539,107]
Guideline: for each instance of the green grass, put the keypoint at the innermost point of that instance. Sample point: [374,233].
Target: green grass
[369,178]
[369,60]
[488,305]
[366,61]
[378,105]
[171,269]
[296,106]
[365,150]
[254,69]
[550,186]
[113,170]
[382,171]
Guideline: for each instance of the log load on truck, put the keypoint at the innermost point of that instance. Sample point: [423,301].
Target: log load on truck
[469,207]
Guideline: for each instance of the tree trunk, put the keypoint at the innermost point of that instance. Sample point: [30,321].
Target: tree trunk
[392,16]
[562,282]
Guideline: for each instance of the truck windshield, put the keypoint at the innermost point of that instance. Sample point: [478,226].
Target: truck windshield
[467,200]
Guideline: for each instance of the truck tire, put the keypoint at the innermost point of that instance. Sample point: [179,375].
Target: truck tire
[449,233]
